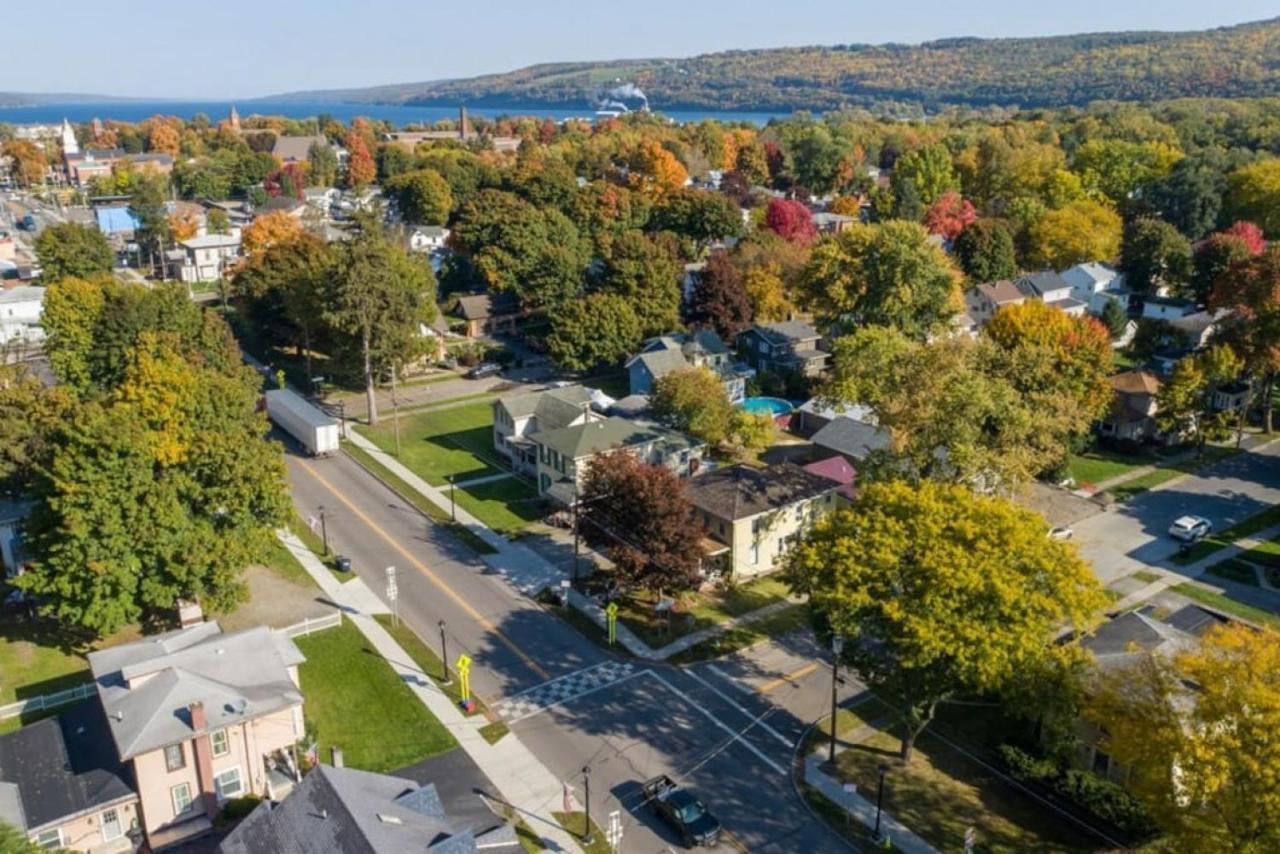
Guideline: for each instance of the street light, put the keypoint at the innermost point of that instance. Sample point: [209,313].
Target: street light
[837,644]
[444,653]
[324,531]
[453,508]
[884,769]
[586,803]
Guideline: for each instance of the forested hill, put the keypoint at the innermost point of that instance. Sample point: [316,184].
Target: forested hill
[1239,61]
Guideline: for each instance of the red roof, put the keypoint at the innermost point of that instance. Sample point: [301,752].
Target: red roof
[836,468]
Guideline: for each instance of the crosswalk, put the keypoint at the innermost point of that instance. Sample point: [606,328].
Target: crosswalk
[563,689]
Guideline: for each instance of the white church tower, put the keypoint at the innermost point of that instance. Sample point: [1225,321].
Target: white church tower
[69,144]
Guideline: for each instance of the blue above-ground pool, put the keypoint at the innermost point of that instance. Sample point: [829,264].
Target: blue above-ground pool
[774,406]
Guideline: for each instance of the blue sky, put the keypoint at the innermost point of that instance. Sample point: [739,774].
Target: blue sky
[247,48]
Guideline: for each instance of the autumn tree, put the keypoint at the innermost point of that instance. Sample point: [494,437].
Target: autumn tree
[421,196]
[361,169]
[217,221]
[1116,168]
[693,400]
[1212,258]
[763,284]
[29,162]
[1197,730]
[1250,291]
[1185,402]
[720,298]
[1079,232]
[949,215]
[698,217]
[1154,253]
[887,274]
[1253,194]
[655,171]
[324,164]
[790,220]
[941,594]
[596,330]
[985,251]
[926,173]
[381,295]
[68,249]
[164,138]
[269,229]
[638,514]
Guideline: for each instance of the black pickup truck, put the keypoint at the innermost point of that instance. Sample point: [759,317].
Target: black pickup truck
[684,812]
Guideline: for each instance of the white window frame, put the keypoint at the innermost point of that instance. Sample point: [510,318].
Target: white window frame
[119,824]
[182,758]
[185,788]
[226,742]
[217,783]
[56,845]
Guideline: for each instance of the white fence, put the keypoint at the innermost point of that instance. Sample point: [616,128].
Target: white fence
[313,624]
[48,701]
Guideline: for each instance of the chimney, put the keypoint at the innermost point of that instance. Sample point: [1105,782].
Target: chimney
[189,613]
[204,760]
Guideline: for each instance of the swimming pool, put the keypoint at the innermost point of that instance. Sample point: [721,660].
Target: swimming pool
[774,406]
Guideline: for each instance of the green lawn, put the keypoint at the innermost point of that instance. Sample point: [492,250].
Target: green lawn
[942,792]
[1099,464]
[742,636]
[442,443]
[697,611]
[1167,472]
[575,823]
[429,663]
[1227,605]
[507,506]
[1235,570]
[1221,539]
[352,698]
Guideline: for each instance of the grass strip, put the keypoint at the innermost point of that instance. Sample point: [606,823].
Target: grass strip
[1227,605]
[575,823]
[745,635]
[1214,542]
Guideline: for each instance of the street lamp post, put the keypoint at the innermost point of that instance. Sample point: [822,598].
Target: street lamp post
[444,653]
[324,531]
[884,769]
[837,644]
[586,803]
[453,508]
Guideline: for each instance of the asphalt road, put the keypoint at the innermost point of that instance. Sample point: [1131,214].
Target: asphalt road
[727,729]
[1135,534]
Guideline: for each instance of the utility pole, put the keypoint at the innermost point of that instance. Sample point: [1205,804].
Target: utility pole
[324,531]
[444,653]
[837,645]
[586,803]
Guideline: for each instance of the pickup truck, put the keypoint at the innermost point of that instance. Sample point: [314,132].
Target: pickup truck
[685,813]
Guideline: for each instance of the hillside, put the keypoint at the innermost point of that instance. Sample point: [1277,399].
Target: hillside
[1239,61]
[34,99]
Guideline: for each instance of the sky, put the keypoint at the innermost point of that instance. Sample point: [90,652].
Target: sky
[253,48]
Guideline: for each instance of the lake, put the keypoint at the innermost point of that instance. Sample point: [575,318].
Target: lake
[136,111]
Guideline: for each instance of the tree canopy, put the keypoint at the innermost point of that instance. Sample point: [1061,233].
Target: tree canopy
[70,250]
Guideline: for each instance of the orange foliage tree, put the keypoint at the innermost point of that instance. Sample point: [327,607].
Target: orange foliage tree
[270,229]
[656,171]
[361,169]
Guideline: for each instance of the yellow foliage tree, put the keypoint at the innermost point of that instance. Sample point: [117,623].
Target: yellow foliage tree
[160,385]
[768,294]
[1253,193]
[1201,733]
[269,229]
[656,171]
[182,225]
[1077,232]
[165,139]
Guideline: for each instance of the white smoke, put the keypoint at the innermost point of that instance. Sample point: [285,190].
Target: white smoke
[609,104]
[630,90]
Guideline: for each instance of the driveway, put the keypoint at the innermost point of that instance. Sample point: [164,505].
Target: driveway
[1135,534]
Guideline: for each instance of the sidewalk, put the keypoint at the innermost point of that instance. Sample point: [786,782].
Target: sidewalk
[524,783]
[863,810]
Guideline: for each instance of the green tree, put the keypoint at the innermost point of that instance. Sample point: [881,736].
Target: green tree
[69,249]
[71,313]
[1185,401]
[1190,196]
[941,593]
[1212,258]
[595,330]
[1115,318]
[985,251]
[693,399]
[1253,194]
[698,217]
[927,171]
[14,841]
[380,295]
[1154,253]
[421,196]
[393,160]
[324,164]
[147,205]
[1116,168]
[646,272]
[888,274]
[217,222]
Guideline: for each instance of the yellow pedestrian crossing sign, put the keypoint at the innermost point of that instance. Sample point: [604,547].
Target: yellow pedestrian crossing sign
[611,611]
[463,665]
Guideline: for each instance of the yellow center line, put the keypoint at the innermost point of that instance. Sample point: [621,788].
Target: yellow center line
[789,677]
[431,576]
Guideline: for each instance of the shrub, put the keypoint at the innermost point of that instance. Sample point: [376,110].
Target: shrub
[237,809]
[1107,800]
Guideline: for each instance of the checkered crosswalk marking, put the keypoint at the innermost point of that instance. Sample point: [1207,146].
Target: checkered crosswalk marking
[562,689]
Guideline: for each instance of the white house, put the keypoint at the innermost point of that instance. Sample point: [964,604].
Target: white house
[204,259]
[1167,308]
[1095,284]
[427,238]
[321,199]
[1053,290]
[20,311]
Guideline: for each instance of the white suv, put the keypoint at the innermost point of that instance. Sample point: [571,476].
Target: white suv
[1189,529]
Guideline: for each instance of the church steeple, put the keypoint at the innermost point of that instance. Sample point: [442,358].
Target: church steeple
[234,119]
[69,143]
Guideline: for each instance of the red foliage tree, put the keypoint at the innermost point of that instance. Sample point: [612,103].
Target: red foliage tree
[720,299]
[950,215]
[1249,233]
[638,514]
[791,220]
[293,175]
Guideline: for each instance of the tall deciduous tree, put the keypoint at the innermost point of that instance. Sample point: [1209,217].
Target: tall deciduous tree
[1213,257]
[940,593]
[69,249]
[790,220]
[720,299]
[269,229]
[639,515]
[595,330]
[361,169]
[693,399]
[949,215]
[927,172]
[1154,254]
[421,196]
[698,217]
[1185,402]
[646,272]
[985,251]
[324,164]
[1198,731]
[1079,232]
[1253,193]
[29,162]
[1250,290]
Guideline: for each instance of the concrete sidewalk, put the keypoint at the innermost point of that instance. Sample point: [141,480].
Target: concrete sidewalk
[863,810]
[525,784]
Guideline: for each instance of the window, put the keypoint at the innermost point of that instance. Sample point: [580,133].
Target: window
[221,742]
[181,797]
[111,827]
[51,839]
[755,553]
[174,757]
[227,784]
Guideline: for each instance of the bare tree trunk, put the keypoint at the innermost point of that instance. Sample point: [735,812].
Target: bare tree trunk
[369,387]
[913,723]
[306,343]
[1268,388]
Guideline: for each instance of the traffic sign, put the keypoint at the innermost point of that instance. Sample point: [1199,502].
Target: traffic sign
[614,833]
[611,611]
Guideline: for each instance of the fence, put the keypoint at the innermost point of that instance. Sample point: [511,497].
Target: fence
[48,701]
[313,624]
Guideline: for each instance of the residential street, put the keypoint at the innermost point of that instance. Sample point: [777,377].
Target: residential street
[1135,534]
[727,729]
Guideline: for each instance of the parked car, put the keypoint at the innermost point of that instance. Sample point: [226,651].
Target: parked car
[1061,533]
[1190,529]
[342,563]
[487,369]
[685,813]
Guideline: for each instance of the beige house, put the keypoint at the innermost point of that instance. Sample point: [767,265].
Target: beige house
[201,717]
[564,455]
[518,417]
[752,516]
[1132,416]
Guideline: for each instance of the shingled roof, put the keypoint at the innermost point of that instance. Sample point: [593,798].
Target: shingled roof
[739,492]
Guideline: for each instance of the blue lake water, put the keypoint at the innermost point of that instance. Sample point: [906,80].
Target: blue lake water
[135,111]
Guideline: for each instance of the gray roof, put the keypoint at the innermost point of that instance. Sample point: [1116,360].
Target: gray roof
[554,408]
[659,363]
[480,306]
[212,241]
[851,437]
[740,491]
[1119,640]
[236,677]
[348,811]
[1041,283]
[788,330]
[59,767]
[583,440]
[295,147]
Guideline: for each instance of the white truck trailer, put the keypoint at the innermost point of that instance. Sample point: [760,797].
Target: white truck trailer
[316,431]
